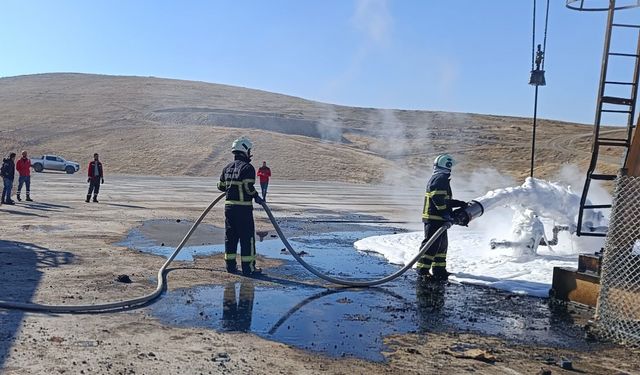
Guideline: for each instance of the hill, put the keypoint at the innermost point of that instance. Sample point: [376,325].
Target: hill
[154,126]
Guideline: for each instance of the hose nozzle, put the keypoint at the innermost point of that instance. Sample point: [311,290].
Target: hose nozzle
[462,216]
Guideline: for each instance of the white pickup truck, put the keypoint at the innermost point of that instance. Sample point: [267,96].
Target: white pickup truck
[55,163]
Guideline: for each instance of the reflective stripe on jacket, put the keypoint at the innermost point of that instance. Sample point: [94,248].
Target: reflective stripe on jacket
[238,179]
[438,202]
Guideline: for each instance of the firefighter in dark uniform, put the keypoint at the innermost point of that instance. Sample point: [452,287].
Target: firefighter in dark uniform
[237,180]
[437,209]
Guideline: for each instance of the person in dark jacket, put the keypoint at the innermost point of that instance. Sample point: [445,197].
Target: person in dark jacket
[95,178]
[237,180]
[23,166]
[437,210]
[8,172]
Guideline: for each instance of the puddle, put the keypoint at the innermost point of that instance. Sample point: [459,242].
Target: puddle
[354,322]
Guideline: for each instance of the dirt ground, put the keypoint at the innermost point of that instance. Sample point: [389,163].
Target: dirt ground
[61,250]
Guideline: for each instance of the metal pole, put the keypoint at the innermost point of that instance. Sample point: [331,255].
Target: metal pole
[533,138]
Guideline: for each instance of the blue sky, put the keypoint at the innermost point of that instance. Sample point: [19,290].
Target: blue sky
[463,56]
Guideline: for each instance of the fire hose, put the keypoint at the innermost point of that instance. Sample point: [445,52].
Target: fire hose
[462,216]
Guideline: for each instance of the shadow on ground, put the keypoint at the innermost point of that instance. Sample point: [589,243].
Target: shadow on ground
[20,275]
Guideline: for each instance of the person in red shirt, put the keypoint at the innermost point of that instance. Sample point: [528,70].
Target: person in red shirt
[23,166]
[95,177]
[264,173]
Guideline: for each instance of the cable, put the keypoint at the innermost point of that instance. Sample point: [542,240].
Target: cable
[544,43]
[533,39]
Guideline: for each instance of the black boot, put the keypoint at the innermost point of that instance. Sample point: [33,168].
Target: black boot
[231,267]
[88,198]
[95,198]
[18,197]
[440,274]
[250,270]
[29,198]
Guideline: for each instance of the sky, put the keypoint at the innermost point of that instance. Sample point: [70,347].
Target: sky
[462,56]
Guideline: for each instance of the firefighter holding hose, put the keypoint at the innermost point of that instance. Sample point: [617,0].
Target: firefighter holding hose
[437,211]
[237,180]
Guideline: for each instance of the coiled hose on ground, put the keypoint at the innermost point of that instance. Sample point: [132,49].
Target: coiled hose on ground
[139,301]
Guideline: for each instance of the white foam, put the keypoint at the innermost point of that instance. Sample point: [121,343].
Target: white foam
[472,260]
[636,248]
[546,199]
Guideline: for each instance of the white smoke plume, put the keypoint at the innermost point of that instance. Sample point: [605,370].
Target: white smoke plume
[373,19]
[329,126]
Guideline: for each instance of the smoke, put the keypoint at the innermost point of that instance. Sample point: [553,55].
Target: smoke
[389,135]
[329,126]
[373,23]
[574,178]
[373,19]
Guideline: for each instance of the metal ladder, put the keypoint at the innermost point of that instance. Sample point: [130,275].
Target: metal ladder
[610,104]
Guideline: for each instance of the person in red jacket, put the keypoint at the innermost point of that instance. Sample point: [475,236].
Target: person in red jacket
[23,166]
[95,177]
[264,173]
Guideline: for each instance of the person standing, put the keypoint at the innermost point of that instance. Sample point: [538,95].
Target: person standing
[437,210]
[237,180]
[8,172]
[23,166]
[95,178]
[264,173]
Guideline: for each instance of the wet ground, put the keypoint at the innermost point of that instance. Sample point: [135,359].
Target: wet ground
[291,306]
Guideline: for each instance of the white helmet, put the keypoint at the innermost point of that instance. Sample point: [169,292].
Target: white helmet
[243,145]
[444,161]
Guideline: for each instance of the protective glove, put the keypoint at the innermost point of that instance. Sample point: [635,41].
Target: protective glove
[448,219]
[458,219]
[259,200]
[89,179]
[103,180]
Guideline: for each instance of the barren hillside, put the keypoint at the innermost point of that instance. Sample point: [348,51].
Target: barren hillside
[152,126]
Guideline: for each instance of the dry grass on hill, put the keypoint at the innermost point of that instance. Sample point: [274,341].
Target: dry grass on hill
[152,126]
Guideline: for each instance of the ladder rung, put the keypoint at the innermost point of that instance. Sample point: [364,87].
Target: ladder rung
[604,177]
[596,206]
[614,111]
[626,25]
[620,144]
[617,100]
[620,83]
[593,234]
[623,54]
[612,139]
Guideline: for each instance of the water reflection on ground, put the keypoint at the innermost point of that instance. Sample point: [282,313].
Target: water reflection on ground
[353,322]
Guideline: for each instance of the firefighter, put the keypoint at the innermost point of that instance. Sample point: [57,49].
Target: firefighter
[237,180]
[437,209]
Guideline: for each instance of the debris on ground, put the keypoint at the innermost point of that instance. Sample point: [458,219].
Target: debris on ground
[124,279]
[566,364]
[477,354]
